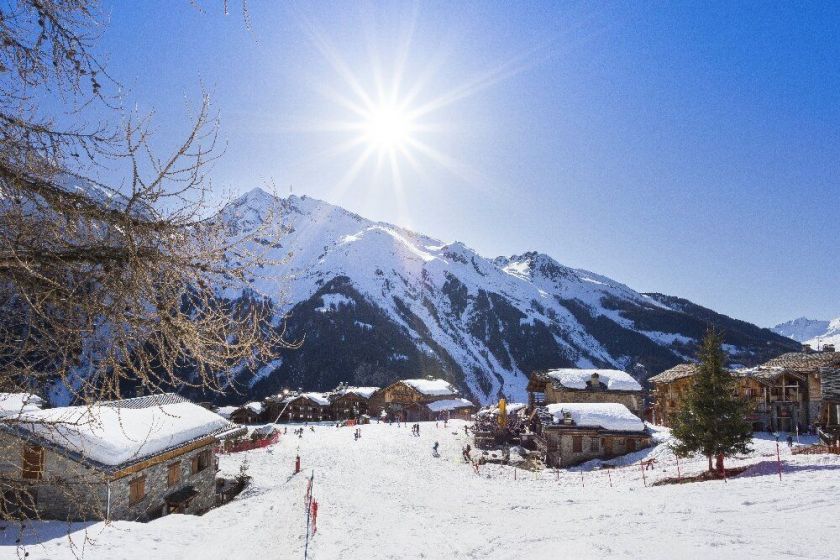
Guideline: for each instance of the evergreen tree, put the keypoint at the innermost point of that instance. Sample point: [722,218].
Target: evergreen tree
[713,420]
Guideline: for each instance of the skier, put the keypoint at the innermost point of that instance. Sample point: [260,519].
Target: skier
[435,450]
[418,429]
[790,441]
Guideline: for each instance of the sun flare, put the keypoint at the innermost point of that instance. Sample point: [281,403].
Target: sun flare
[388,128]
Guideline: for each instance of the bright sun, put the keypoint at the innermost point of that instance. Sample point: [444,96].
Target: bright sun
[388,128]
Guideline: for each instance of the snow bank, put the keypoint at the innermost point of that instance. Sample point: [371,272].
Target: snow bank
[113,436]
[610,416]
[448,404]
[12,404]
[614,379]
[226,411]
[432,387]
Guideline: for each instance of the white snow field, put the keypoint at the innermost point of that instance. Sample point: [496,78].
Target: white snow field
[385,497]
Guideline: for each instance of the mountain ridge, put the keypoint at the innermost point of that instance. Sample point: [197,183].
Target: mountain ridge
[389,302]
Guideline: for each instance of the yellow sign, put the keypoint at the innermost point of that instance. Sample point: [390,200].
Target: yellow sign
[502,413]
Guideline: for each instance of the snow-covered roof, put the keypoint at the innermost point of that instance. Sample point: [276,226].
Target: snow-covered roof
[432,387]
[364,392]
[609,416]
[510,408]
[573,378]
[12,404]
[318,398]
[118,432]
[448,404]
[255,406]
[226,411]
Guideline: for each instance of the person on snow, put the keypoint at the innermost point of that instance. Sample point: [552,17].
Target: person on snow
[790,441]
[435,449]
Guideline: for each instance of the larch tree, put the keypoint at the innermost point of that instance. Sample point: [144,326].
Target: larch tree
[114,271]
[713,420]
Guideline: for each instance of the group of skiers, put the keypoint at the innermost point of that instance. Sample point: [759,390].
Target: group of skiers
[357,434]
[415,430]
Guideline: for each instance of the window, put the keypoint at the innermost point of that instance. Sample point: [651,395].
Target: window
[33,462]
[593,444]
[577,444]
[137,490]
[173,474]
[201,461]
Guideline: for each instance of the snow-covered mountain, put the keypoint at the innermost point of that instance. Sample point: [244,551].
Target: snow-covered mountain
[811,331]
[377,302]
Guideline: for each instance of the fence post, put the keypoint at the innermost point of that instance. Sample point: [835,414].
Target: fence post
[581,480]
[779,460]
[610,477]
[644,478]
[679,475]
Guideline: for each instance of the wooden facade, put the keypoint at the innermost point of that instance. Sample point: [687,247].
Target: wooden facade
[349,405]
[404,402]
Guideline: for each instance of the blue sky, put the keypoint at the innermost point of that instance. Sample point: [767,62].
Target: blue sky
[690,149]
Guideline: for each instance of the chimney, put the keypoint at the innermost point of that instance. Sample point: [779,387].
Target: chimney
[828,348]
[807,348]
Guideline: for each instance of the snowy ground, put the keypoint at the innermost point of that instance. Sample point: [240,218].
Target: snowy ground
[385,496]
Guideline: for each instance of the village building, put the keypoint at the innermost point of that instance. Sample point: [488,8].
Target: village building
[249,413]
[808,364]
[569,385]
[577,432]
[134,459]
[828,419]
[304,407]
[452,408]
[351,402]
[777,399]
[407,399]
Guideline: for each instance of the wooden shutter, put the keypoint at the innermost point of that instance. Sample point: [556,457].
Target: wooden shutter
[173,474]
[194,465]
[631,444]
[137,490]
[577,444]
[33,462]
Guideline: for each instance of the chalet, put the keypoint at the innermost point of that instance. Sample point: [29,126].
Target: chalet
[134,459]
[669,390]
[452,408]
[578,432]
[828,420]
[351,402]
[407,399]
[778,398]
[570,385]
[305,407]
[249,413]
[808,365]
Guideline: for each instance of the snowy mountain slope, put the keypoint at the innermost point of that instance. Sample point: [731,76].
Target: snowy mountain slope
[377,302]
[801,329]
[811,331]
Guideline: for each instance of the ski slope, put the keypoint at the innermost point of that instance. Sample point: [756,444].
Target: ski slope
[386,497]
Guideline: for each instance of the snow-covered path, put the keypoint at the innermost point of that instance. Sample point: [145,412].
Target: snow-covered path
[385,496]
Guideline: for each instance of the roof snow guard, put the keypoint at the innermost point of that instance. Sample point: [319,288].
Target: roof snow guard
[115,434]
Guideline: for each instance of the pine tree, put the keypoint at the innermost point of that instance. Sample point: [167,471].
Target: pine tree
[713,420]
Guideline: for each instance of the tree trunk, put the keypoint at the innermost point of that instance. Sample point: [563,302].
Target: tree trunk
[711,469]
[719,465]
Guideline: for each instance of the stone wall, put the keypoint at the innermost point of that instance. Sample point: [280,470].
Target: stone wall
[70,491]
[153,503]
[560,443]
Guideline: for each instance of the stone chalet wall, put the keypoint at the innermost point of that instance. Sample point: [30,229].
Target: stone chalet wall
[153,505]
[67,490]
[71,491]
[631,399]
[560,451]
